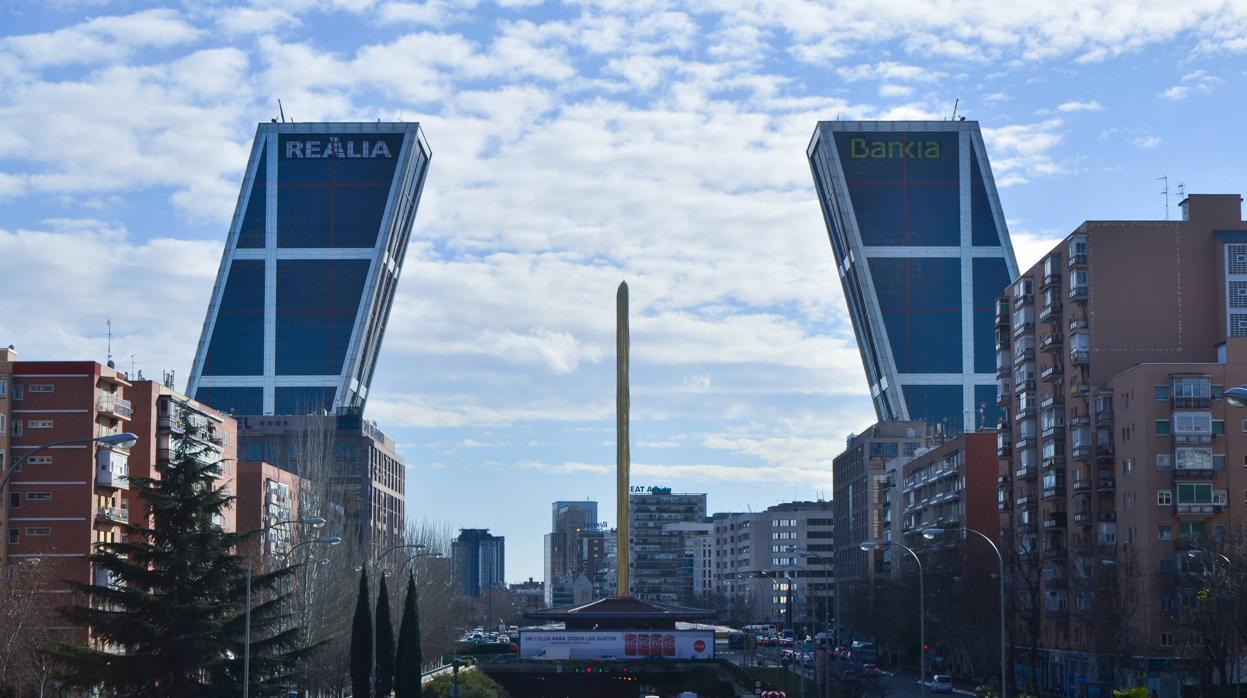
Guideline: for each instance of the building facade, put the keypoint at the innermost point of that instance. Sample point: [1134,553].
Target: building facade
[862,501]
[310,268]
[268,495]
[658,572]
[351,465]
[922,251]
[1114,450]
[479,561]
[950,486]
[565,550]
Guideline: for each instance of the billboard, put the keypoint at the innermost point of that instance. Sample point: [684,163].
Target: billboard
[616,644]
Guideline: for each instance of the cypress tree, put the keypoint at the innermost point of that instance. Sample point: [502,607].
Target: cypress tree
[175,600]
[385,642]
[409,658]
[361,641]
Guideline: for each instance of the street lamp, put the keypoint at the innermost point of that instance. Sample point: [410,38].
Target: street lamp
[922,611]
[124,439]
[1229,568]
[418,556]
[931,534]
[1236,397]
[314,522]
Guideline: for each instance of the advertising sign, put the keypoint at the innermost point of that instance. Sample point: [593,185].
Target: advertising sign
[616,644]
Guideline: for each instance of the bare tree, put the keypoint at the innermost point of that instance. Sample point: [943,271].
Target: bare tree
[26,625]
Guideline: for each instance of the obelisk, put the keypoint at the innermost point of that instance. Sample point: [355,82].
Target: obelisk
[622,458]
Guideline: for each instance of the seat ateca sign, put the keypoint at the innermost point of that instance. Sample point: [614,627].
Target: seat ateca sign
[616,644]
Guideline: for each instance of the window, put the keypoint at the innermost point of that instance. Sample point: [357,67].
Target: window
[39,460]
[19,392]
[1166,639]
[1166,604]
[1166,566]
[1218,497]
[1164,498]
[1164,532]
[1245,426]
[13,536]
[1218,461]
[39,531]
[38,496]
[1194,493]
[1218,391]
[1191,387]
[1162,392]
[1218,426]
[1219,532]
[16,427]
[4,388]
[1191,529]
[1193,423]
[1165,462]
[1162,427]
[41,388]
[1193,458]
[15,500]
[39,423]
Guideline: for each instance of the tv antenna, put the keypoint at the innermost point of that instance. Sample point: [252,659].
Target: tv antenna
[1165,193]
[955,103]
[281,111]
[109,323]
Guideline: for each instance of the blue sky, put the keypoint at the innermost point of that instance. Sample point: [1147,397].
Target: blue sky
[577,144]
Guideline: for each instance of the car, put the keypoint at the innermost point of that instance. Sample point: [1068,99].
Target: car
[941,683]
[871,671]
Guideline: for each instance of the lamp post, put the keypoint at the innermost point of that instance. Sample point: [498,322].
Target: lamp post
[922,612]
[376,559]
[1229,569]
[931,534]
[418,556]
[314,522]
[124,439]
[827,638]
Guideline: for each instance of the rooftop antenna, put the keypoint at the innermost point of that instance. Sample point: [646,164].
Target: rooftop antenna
[109,324]
[281,111]
[1181,191]
[955,103]
[132,371]
[1165,193]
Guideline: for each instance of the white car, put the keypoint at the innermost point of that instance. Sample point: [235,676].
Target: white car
[941,683]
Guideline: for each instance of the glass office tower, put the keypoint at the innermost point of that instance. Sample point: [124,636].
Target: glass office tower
[922,252]
[310,268]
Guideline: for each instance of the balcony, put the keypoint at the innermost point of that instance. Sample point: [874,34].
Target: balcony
[112,469]
[1104,451]
[1055,520]
[1078,260]
[1050,278]
[1194,473]
[1107,516]
[1079,389]
[1024,442]
[1026,472]
[1003,370]
[1079,356]
[1004,506]
[1079,420]
[1027,527]
[1024,501]
[1050,312]
[1002,312]
[1052,431]
[112,515]
[1003,479]
[1193,437]
[1199,511]
[1104,415]
[1050,400]
[1106,484]
[1078,293]
[1054,578]
[1003,450]
[1003,393]
[1082,517]
[1082,485]
[1056,460]
[106,578]
[1186,402]
[116,406]
[1051,493]
[1081,452]
[1051,342]
[1025,409]
[1051,372]
[1020,328]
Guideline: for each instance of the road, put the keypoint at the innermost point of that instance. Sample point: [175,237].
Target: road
[893,685]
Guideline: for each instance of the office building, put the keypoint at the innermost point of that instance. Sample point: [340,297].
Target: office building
[565,557]
[478,559]
[922,251]
[352,465]
[658,572]
[1115,456]
[310,267]
[776,566]
[529,596]
[268,495]
[862,504]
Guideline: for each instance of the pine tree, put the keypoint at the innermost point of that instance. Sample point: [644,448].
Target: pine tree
[385,642]
[409,657]
[174,608]
[361,641]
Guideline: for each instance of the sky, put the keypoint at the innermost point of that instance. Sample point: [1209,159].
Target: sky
[577,144]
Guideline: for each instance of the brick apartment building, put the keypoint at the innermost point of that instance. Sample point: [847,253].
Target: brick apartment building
[950,486]
[71,496]
[268,495]
[1115,457]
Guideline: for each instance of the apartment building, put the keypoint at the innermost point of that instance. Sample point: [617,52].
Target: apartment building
[1111,356]
[862,506]
[950,486]
[65,499]
[268,495]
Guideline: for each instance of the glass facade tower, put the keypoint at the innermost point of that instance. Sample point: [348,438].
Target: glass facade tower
[310,268]
[922,251]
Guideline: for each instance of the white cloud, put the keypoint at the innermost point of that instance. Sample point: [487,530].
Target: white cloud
[1147,142]
[101,39]
[1092,105]
[1194,81]
[890,90]
[1021,152]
